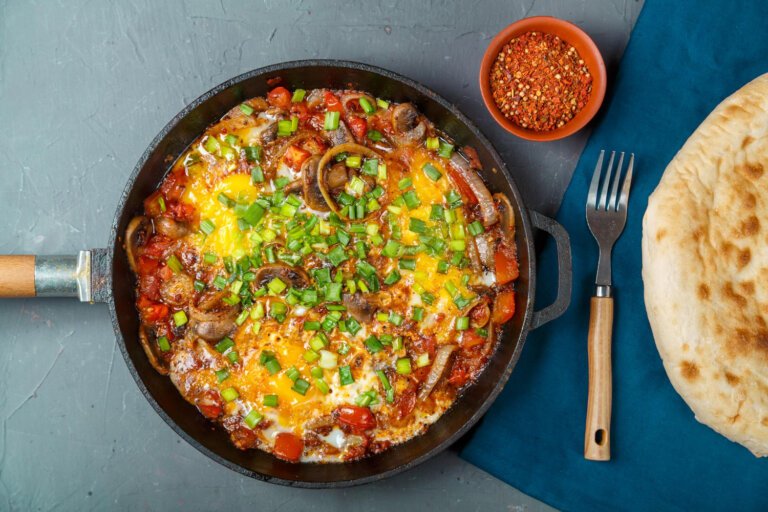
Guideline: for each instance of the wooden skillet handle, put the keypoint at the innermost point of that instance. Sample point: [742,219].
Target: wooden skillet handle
[597,437]
[17,276]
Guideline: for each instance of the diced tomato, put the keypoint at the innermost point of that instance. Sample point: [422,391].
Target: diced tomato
[174,185]
[504,307]
[279,97]
[151,311]
[359,418]
[507,269]
[147,265]
[332,103]
[459,376]
[359,127]
[210,405]
[405,402]
[471,339]
[156,247]
[463,187]
[301,111]
[288,447]
[152,204]
[181,211]
[295,156]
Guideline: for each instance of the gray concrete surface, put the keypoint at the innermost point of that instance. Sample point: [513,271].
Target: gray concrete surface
[84,86]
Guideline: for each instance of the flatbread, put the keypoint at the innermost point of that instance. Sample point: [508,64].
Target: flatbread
[705,268]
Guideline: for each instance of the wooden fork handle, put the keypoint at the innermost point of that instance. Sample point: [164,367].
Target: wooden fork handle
[597,437]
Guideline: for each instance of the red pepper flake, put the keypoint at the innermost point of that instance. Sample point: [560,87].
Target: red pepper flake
[540,82]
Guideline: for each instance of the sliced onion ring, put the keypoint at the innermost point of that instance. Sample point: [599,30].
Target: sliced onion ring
[472,178]
[331,153]
[438,368]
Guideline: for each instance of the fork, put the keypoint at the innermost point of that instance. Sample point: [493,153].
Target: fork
[606,217]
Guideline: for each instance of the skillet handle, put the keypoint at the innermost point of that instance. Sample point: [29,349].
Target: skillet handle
[46,276]
[564,269]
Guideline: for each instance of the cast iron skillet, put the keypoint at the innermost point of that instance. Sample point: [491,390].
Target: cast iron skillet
[102,275]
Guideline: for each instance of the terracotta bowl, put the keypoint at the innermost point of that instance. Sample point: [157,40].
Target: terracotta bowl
[574,36]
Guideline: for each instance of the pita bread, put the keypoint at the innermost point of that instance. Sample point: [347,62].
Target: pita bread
[705,268]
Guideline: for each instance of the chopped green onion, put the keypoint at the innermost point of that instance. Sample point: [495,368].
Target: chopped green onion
[353,161]
[422,360]
[311,326]
[407,264]
[207,226]
[475,228]
[418,314]
[403,366]
[431,172]
[179,318]
[253,418]
[433,142]
[222,375]
[161,203]
[454,199]
[229,394]
[373,344]
[292,373]
[246,109]
[270,400]
[328,360]
[392,278]
[395,318]
[174,263]
[252,153]
[254,213]
[211,145]
[272,366]
[345,375]
[300,386]
[370,167]
[298,96]
[353,326]
[442,266]
[317,343]
[411,200]
[404,183]
[276,286]
[462,323]
[332,120]
[322,386]
[374,135]
[219,282]
[284,128]
[397,343]
[458,245]
[368,108]
[392,249]
[257,175]
[311,356]
[163,344]
[233,356]
[417,225]
[445,150]
[382,104]
[225,344]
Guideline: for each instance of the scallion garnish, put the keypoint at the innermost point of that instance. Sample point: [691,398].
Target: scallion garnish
[418,314]
[411,200]
[407,264]
[229,394]
[174,263]
[163,344]
[431,172]
[179,318]
[332,120]
[222,375]
[392,278]
[252,153]
[298,96]
[345,375]
[475,228]
[322,386]
[403,366]
[374,135]
[270,400]
[368,108]
[207,226]
[246,109]
[253,418]
[446,150]
[300,386]
[462,323]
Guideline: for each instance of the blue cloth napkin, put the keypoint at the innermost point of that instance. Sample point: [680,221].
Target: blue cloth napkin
[682,60]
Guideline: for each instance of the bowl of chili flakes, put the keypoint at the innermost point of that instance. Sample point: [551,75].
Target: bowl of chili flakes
[542,78]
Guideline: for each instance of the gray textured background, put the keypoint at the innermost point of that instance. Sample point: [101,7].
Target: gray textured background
[84,87]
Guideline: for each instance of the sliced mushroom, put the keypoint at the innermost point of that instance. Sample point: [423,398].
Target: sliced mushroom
[340,135]
[313,196]
[480,314]
[361,307]
[438,368]
[324,175]
[337,176]
[170,227]
[151,349]
[315,98]
[507,216]
[472,179]
[407,126]
[178,290]
[294,276]
[135,235]
[212,325]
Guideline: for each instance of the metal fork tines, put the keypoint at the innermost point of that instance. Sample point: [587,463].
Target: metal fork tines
[607,213]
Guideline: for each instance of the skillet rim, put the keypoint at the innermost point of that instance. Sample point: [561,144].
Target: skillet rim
[115,245]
